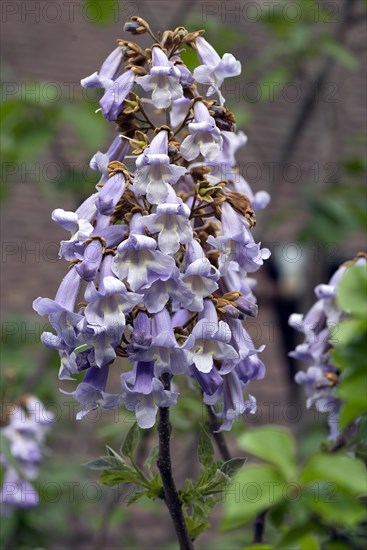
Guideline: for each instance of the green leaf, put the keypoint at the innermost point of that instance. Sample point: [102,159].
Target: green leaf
[111,452]
[348,474]
[273,83]
[152,456]
[259,547]
[308,542]
[275,445]
[232,466]
[88,125]
[339,507]
[155,489]
[294,535]
[353,389]
[195,526]
[352,295]
[348,330]
[124,475]
[255,489]
[348,413]
[100,12]
[136,496]
[205,449]
[341,54]
[104,463]
[130,444]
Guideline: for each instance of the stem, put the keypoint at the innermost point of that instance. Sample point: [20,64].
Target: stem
[259,527]
[259,523]
[171,496]
[218,436]
[143,112]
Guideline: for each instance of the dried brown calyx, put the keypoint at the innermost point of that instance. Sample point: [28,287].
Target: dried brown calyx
[242,204]
[126,207]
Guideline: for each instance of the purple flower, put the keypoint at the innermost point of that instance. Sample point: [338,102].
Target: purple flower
[234,404]
[114,97]
[214,70]
[163,80]
[155,174]
[157,294]
[171,222]
[117,151]
[211,340]
[163,349]
[79,228]
[236,243]
[107,73]
[106,307]
[110,194]
[205,138]
[91,392]
[143,393]
[159,256]
[61,313]
[200,277]
[139,261]
[321,377]
[25,435]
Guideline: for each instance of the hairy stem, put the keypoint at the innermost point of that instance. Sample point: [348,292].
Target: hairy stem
[171,496]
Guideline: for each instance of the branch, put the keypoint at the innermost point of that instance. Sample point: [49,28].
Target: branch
[259,523]
[171,496]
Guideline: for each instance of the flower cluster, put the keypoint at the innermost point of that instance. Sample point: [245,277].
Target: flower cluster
[24,432]
[160,253]
[322,377]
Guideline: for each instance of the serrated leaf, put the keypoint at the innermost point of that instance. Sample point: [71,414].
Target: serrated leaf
[275,445]
[152,456]
[124,475]
[130,444]
[205,449]
[231,467]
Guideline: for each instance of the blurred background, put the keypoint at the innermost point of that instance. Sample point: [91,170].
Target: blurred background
[301,102]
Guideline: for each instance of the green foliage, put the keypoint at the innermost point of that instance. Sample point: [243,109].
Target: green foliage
[351,347]
[200,497]
[324,494]
[275,445]
[101,12]
[128,448]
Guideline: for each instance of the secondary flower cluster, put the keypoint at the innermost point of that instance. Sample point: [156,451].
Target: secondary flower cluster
[160,253]
[322,377]
[25,429]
